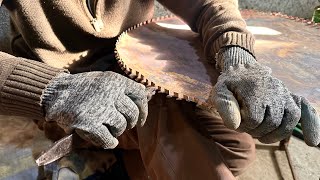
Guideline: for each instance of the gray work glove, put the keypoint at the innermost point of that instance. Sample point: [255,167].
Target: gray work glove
[251,100]
[99,106]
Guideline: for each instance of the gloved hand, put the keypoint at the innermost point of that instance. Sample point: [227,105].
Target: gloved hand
[251,100]
[99,106]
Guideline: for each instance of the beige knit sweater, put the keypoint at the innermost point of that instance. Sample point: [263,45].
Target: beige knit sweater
[67,33]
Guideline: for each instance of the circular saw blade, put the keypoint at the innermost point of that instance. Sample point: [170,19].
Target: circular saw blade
[164,52]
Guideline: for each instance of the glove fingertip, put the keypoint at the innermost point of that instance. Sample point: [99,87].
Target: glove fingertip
[310,122]
[311,129]
[233,122]
[230,113]
[99,136]
[266,140]
[112,144]
[314,141]
[141,123]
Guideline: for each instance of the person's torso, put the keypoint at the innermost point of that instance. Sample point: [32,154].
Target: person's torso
[66,33]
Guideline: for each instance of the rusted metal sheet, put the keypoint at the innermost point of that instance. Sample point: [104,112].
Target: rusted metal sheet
[293,55]
[165,53]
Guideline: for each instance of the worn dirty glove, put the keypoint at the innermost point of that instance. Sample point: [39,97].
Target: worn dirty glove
[99,106]
[251,100]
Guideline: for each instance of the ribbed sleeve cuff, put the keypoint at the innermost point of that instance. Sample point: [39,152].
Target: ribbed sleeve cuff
[23,88]
[246,41]
[231,56]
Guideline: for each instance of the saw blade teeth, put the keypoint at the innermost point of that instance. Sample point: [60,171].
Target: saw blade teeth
[308,22]
[126,71]
[186,97]
[132,76]
[138,80]
[168,95]
[178,96]
[137,73]
[196,100]
[145,82]
[163,90]
[173,94]
[166,91]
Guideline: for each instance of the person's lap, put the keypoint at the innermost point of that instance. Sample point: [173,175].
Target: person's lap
[180,141]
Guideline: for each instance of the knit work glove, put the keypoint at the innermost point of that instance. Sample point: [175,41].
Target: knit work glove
[99,106]
[251,100]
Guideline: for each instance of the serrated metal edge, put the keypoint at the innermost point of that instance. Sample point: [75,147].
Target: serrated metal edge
[138,77]
[307,22]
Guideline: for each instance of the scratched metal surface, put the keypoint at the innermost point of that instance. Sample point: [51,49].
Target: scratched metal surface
[293,55]
[171,56]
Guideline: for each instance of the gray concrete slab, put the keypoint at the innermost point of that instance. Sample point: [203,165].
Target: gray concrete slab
[272,163]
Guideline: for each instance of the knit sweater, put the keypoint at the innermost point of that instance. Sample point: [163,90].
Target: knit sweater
[66,34]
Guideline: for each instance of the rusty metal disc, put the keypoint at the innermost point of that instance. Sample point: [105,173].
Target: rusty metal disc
[164,52]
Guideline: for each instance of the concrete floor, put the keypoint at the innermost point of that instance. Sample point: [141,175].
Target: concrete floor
[272,163]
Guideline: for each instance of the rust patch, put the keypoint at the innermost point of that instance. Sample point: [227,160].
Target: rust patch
[173,60]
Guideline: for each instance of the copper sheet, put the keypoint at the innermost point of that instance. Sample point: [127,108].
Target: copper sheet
[173,59]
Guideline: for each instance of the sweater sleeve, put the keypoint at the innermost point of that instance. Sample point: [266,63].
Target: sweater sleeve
[218,22]
[22,83]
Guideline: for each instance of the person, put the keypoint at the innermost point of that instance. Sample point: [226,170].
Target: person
[61,70]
